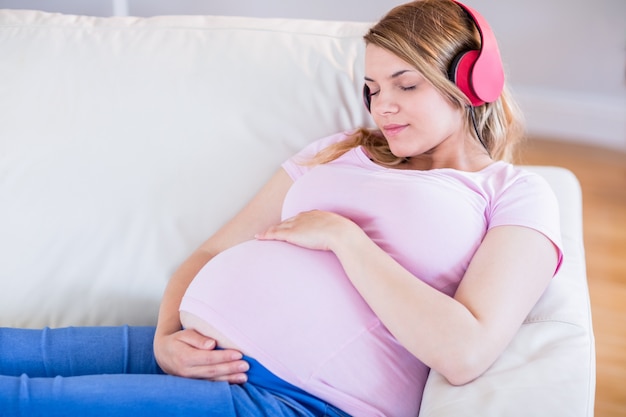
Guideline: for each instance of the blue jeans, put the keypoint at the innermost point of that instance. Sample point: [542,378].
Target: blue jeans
[111,371]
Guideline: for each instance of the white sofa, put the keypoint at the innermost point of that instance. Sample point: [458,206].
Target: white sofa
[118,138]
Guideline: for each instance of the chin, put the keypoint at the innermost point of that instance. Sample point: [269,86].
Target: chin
[405,154]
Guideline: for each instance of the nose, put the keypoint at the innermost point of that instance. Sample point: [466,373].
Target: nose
[384,104]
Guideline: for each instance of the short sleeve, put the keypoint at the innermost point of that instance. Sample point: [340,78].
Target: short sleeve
[529,201]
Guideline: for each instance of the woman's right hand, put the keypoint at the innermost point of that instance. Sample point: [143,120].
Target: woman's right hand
[190,354]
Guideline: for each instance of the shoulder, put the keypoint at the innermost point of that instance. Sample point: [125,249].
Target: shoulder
[503,177]
[503,183]
[299,163]
[318,145]
[524,198]
[511,184]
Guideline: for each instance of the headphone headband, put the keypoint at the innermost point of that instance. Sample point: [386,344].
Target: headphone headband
[477,73]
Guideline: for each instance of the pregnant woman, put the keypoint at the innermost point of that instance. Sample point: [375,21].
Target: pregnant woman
[369,258]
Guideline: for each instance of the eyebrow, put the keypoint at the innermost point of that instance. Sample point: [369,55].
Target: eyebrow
[394,75]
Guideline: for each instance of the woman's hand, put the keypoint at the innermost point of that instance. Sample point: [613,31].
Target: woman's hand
[189,354]
[315,229]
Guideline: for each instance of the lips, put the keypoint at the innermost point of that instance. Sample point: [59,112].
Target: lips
[393,129]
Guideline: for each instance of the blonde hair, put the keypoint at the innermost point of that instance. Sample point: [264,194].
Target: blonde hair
[428,34]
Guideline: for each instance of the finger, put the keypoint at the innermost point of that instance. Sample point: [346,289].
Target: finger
[196,340]
[232,372]
[212,365]
[232,379]
[196,358]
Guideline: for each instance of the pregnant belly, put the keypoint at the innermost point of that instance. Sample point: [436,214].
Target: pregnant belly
[271,298]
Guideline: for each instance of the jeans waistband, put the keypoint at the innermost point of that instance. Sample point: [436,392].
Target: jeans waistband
[260,376]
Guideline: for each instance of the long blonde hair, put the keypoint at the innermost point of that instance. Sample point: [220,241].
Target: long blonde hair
[428,34]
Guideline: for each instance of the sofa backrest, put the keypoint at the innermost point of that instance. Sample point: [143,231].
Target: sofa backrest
[125,142]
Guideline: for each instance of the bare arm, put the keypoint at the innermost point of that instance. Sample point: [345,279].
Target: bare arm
[186,352]
[458,336]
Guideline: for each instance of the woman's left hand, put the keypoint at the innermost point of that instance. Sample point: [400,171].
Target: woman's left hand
[315,229]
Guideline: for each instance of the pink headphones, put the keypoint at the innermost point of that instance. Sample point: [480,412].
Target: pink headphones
[477,73]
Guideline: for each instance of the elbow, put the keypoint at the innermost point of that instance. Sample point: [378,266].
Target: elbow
[462,367]
[461,378]
[458,377]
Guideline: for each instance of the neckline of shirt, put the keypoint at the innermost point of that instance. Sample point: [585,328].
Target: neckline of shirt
[362,155]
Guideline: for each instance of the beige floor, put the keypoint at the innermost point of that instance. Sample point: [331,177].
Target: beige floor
[602,174]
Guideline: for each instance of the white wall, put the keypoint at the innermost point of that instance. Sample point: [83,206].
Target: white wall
[566,59]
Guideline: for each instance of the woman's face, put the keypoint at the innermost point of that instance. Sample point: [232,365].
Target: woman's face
[412,114]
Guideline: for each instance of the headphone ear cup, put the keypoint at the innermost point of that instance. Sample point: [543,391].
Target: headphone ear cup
[461,73]
[367,97]
[479,73]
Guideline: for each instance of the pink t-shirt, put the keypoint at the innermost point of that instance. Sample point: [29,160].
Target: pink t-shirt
[295,310]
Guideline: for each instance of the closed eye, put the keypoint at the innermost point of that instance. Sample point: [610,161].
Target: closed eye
[412,87]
